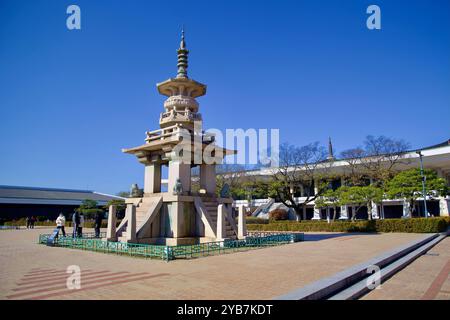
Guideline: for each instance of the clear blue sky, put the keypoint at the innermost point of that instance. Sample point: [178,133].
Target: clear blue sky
[71,100]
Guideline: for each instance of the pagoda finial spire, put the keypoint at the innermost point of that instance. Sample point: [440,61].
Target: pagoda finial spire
[330,150]
[182,57]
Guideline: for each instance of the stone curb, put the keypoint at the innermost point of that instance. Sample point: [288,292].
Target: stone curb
[359,289]
[326,287]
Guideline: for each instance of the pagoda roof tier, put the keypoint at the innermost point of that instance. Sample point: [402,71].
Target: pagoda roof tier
[167,145]
[161,147]
[181,86]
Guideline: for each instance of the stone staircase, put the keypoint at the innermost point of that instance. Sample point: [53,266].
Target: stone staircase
[211,204]
[141,211]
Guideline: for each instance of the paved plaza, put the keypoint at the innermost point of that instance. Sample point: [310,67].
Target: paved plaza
[32,271]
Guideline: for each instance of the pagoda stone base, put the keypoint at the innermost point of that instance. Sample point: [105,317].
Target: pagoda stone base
[170,241]
[171,220]
[176,241]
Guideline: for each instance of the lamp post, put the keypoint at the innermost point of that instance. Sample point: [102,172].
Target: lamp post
[424,192]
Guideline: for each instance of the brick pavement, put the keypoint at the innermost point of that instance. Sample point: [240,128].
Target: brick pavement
[426,278]
[32,271]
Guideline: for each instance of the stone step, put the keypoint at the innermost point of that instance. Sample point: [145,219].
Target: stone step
[148,200]
[206,198]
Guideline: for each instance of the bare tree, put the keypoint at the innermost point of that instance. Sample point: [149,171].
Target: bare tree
[303,167]
[353,173]
[376,163]
[383,155]
[377,160]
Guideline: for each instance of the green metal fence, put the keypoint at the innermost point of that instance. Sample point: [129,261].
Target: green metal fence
[167,253]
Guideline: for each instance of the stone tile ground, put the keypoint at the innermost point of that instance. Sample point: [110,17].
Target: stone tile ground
[426,278]
[32,271]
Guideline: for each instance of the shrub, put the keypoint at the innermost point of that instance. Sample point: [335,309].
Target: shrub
[255,220]
[414,225]
[278,214]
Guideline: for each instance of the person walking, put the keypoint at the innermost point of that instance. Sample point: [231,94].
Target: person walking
[75,223]
[60,223]
[98,223]
[28,220]
[81,225]
[32,221]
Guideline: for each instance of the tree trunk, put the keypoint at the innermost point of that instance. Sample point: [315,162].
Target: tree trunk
[369,210]
[298,211]
[354,211]
[334,214]
[412,204]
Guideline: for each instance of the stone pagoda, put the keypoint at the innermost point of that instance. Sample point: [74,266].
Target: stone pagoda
[179,215]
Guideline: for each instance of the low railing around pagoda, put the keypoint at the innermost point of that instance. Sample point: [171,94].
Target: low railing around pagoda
[167,253]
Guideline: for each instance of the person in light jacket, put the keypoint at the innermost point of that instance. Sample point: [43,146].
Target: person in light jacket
[60,223]
[81,225]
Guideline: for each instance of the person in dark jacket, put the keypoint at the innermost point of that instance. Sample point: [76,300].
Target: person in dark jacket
[75,223]
[98,224]
[32,222]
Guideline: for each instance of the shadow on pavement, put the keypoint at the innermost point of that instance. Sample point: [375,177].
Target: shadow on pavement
[325,236]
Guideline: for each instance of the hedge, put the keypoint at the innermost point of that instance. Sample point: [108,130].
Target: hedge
[415,225]
[254,220]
